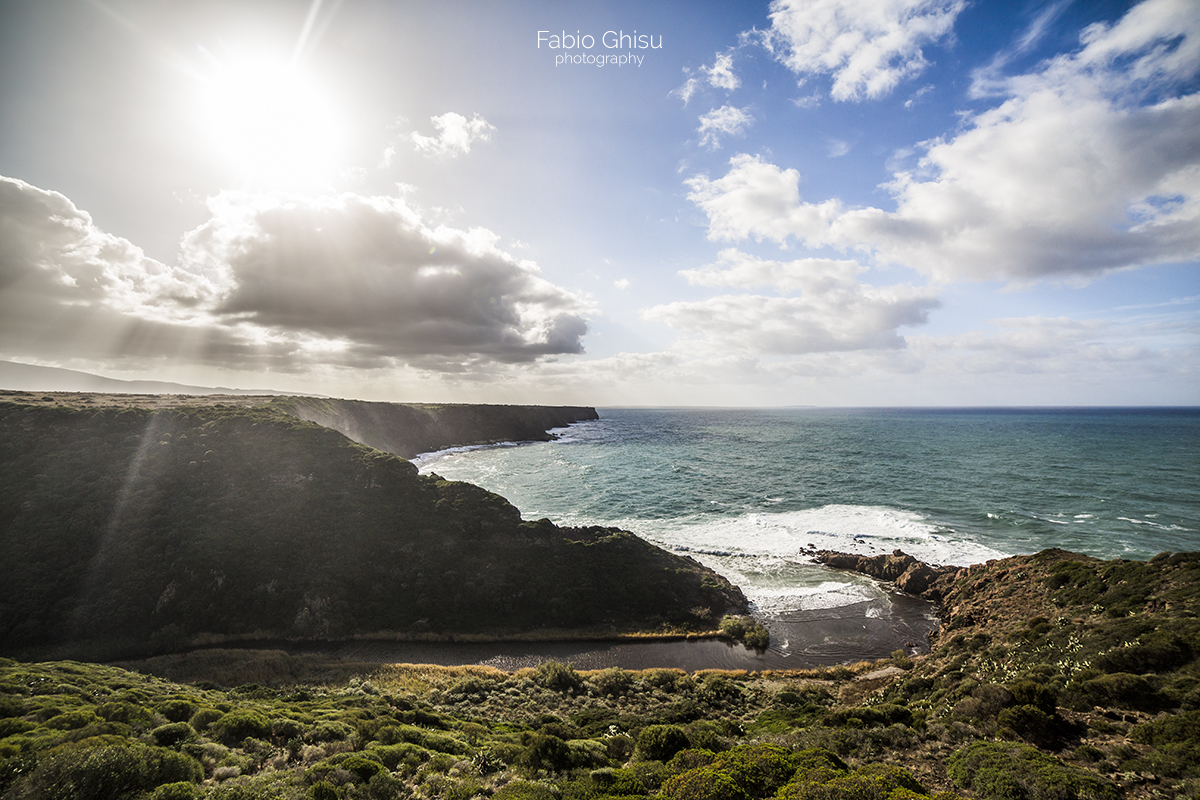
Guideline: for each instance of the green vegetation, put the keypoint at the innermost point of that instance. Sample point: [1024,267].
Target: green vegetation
[1008,706]
[131,531]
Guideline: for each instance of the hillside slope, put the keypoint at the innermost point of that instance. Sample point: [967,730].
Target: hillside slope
[124,530]
[407,429]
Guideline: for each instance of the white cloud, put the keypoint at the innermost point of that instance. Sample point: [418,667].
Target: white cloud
[738,270]
[834,312]
[868,46]
[69,289]
[723,121]
[988,80]
[371,272]
[275,282]
[760,200]
[622,283]
[688,90]
[836,148]
[455,135]
[720,74]
[1068,177]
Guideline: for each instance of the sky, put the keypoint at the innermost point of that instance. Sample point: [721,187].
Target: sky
[608,203]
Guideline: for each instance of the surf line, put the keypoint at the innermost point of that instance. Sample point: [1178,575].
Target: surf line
[618,60]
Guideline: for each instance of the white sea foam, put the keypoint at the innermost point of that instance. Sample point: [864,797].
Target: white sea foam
[423,461]
[1153,524]
[869,530]
[769,555]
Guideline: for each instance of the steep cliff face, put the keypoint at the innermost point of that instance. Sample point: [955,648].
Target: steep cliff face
[406,429]
[124,530]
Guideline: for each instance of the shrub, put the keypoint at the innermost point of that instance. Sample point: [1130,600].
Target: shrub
[557,677]
[1031,693]
[891,776]
[1028,722]
[620,782]
[612,681]
[329,732]
[173,733]
[817,758]
[205,717]
[690,759]
[703,783]
[1009,771]
[72,720]
[545,751]
[180,790]
[105,771]
[1119,689]
[177,710]
[524,790]
[235,726]
[1156,651]
[361,766]
[759,769]
[660,742]
[867,716]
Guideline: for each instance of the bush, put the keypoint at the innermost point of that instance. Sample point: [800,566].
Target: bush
[105,771]
[1156,651]
[177,710]
[235,726]
[205,717]
[1009,771]
[612,681]
[759,769]
[703,783]
[1031,693]
[868,716]
[891,776]
[1028,722]
[607,781]
[524,790]
[361,766]
[690,759]
[330,732]
[557,677]
[180,790]
[660,742]
[1120,689]
[173,733]
[545,751]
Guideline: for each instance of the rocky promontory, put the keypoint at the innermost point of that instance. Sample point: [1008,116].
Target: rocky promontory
[910,575]
[127,529]
[407,429]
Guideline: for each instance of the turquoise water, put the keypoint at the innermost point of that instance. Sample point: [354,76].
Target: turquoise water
[749,492]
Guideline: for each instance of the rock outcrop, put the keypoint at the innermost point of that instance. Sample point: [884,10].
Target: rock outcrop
[907,573]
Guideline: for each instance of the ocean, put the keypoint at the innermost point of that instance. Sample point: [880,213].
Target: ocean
[749,492]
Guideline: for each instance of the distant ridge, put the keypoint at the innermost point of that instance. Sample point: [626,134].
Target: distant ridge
[31,378]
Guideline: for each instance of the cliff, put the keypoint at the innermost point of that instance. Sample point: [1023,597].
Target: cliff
[402,429]
[124,530]
[406,429]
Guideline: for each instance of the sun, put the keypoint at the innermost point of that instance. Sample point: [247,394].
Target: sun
[271,123]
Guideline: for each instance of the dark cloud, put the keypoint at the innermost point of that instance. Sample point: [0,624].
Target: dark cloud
[368,272]
[280,283]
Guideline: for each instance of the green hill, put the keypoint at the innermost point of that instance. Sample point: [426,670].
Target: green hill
[132,530]
[1055,677]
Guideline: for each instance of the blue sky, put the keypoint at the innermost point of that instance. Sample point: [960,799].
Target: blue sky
[828,202]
